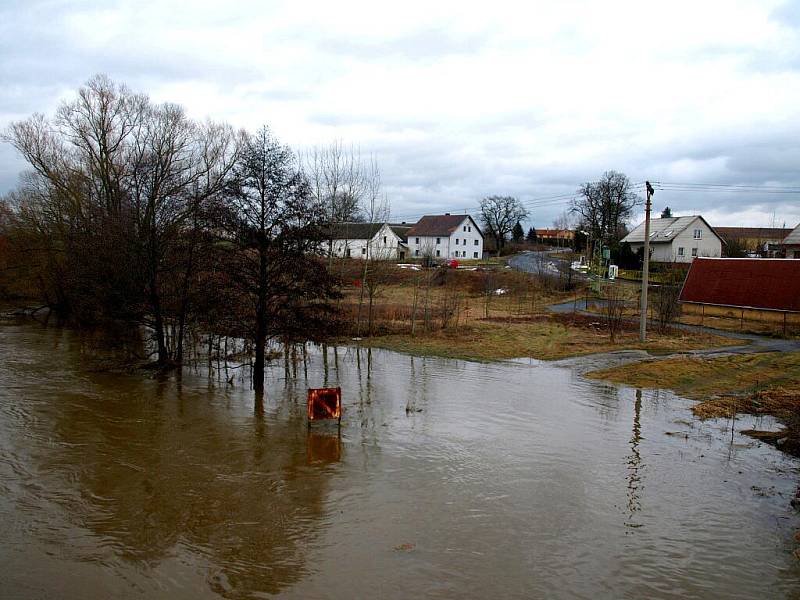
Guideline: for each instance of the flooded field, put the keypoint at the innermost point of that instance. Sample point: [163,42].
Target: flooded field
[448,480]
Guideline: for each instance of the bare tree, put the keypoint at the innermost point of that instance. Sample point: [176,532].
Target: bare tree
[499,215]
[605,205]
[613,308]
[338,179]
[278,225]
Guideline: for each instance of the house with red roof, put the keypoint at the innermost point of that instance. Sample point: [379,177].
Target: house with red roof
[446,236]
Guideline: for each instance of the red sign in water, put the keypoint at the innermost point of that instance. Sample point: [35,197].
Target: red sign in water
[324,403]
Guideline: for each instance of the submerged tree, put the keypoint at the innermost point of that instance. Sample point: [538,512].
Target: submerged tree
[277,228]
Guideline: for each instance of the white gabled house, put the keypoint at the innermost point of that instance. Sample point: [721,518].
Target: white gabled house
[446,236]
[791,244]
[379,241]
[677,239]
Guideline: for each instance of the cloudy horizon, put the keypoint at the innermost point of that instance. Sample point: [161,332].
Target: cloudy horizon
[457,102]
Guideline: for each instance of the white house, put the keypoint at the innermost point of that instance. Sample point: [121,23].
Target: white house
[380,241]
[791,244]
[677,239]
[446,236]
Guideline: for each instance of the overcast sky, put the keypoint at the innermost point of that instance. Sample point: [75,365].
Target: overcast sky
[457,101]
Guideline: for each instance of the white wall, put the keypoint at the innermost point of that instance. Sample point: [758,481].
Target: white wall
[708,245]
[446,247]
[384,245]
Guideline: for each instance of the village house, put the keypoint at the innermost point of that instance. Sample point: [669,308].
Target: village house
[379,241]
[556,237]
[677,239]
[791,243]
[764,241]
[446,236]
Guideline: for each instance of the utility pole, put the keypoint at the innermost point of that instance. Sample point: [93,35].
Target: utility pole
[646,264]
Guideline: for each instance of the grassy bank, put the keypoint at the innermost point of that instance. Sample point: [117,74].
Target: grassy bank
[545,337]
[760,384]
[491,315]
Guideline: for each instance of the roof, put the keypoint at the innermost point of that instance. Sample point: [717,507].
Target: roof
[772,284]
[442,225]
[794,237]
[353,231]
[663,230]
[400,230]
[752,233]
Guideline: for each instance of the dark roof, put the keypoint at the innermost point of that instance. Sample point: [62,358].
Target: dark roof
[440,225]
[400,230]
[768,283]
[752,233]
[352,231]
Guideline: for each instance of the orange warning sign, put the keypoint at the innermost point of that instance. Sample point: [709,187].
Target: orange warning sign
[324,403]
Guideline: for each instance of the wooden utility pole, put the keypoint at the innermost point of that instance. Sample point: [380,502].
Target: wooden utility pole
[646,264]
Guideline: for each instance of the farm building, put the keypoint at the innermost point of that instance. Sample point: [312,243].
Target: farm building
[380,241]
[763,289]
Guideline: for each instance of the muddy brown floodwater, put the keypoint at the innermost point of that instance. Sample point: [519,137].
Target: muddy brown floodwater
[450,480]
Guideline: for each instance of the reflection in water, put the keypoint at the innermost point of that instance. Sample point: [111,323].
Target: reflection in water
[635,463]
[503,479]
[324,447]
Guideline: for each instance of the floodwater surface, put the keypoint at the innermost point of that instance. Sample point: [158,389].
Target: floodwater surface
[448,479]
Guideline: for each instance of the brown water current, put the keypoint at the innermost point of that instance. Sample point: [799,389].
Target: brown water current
[449,479]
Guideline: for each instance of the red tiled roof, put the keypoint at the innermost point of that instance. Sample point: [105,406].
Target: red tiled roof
[437,225]
[747,282]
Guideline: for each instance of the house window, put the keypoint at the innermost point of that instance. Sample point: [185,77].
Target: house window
[694,251]
[476,242]
[384,240]
[465,227]
[680,251]
[416,252]
[470,228]
[363,251]
[417,241]
[438,240]
[698,234]
[348,253]
[438,253]
[456,241]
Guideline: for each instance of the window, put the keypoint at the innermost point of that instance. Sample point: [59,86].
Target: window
[698,234]
[438,240]
[438,253]
[363,251]
[416,252]
[465,227]
[680,251]
[694,251]
[476,242]
[384,240]
[475,255]
[469,228]
[416,241]
[456,241]
[348,253]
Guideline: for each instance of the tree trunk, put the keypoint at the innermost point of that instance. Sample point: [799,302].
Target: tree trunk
[261,322]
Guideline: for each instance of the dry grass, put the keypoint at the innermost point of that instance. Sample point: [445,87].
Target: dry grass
[546,337]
